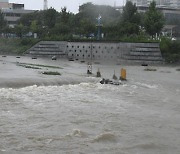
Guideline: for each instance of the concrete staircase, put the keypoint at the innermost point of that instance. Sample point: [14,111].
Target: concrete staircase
[48,48]
[144,53]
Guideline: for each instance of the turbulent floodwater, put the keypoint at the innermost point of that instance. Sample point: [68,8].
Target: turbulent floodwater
[142,116]
[90,118]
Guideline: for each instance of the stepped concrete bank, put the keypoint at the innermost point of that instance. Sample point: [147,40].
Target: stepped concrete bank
[118,52]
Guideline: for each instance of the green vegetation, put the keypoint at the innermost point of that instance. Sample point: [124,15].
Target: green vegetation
[38,65]
[15,45]
[130,20]
[51,73]
[170,50]
[2,22]
[50,25]
[153,20]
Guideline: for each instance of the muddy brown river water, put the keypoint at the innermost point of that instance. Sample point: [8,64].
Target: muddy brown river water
[75,114]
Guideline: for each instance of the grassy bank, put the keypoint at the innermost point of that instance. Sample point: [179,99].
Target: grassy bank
[15,45]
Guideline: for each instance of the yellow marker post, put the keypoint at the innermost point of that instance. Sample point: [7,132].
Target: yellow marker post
[123,74]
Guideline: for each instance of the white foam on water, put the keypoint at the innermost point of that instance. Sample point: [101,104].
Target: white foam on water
[105,137]
[139,84]
[3,150]
[66,118]
[77,133]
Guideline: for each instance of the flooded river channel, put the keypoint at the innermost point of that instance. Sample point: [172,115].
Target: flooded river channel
[75,114]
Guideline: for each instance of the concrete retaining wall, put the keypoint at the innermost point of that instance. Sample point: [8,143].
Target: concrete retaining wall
[130,52]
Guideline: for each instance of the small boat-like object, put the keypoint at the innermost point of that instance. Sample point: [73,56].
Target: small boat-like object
[113,82]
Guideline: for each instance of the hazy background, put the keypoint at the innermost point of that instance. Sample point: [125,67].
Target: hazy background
[72,5]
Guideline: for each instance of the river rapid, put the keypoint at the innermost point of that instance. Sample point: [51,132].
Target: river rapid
[142,116]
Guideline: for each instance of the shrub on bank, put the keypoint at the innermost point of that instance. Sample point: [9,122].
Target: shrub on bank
[16,45]
[28,41]
[170,50]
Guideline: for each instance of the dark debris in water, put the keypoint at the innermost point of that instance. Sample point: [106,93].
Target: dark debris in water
[39,65]
[28,66]
[150,69]
[51,73]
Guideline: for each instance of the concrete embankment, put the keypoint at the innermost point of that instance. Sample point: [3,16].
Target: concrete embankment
[120,52]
